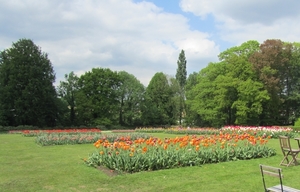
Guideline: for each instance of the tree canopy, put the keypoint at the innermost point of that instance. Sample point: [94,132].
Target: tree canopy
[251,84]
[28,96]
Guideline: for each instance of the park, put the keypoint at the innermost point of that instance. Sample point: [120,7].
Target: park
[29,165]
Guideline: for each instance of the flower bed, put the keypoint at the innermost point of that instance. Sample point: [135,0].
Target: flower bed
[122,131]
[263,131]
[82,138]
[272,131]
[33,133]
[14,132]
[193,131]
[150,130]
[134,155]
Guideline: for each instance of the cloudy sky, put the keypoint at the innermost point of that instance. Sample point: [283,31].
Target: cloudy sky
[143,37]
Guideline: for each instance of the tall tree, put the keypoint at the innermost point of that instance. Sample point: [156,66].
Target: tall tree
[181,76]
[28,96]
[67,90]
[131,94]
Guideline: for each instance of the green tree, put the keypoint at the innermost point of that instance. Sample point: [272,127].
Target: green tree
[192,117]
[131,95]
[67,90]
[63,117]
[158,108]
[181,75]
[97,97]
[28,96]
[250,93]
[293,100]
[245,49]
[205,99]
[228,92]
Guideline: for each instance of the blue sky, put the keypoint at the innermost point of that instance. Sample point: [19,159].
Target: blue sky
[196,23]
[143,37]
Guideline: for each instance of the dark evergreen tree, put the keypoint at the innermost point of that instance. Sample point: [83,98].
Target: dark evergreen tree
[28,96]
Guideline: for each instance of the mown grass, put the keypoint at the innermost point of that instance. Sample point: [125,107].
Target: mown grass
[26,166]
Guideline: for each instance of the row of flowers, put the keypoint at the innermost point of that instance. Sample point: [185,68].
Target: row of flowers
[263,131]
[83,138]
[122,131]
[134,155]
[33,133]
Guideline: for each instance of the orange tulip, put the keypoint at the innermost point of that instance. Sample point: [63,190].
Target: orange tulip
[144,149]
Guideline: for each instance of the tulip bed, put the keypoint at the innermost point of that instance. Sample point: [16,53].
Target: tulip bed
[134,155]
[122,131]
[272,131]
[33,133]
[81,138]
[193,131]
[150,130]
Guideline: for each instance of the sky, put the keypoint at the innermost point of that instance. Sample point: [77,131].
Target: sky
[143,37]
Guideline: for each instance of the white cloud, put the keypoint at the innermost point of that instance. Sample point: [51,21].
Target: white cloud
[239,21]
[118,34]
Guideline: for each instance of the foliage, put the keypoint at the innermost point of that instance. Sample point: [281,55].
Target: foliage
[17,128]
[274,65]
[252,84]
[27,96]
[131,94]
[158,106]
[205,99]
[97,98]
[247,86]
[67,90]
[131,156]
[192,117]
[181,73]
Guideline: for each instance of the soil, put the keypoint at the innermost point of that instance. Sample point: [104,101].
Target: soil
[108,172]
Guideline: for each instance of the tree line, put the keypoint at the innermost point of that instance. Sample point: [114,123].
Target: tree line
[252,84]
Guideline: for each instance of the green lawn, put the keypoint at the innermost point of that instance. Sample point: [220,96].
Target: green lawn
[25,166]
